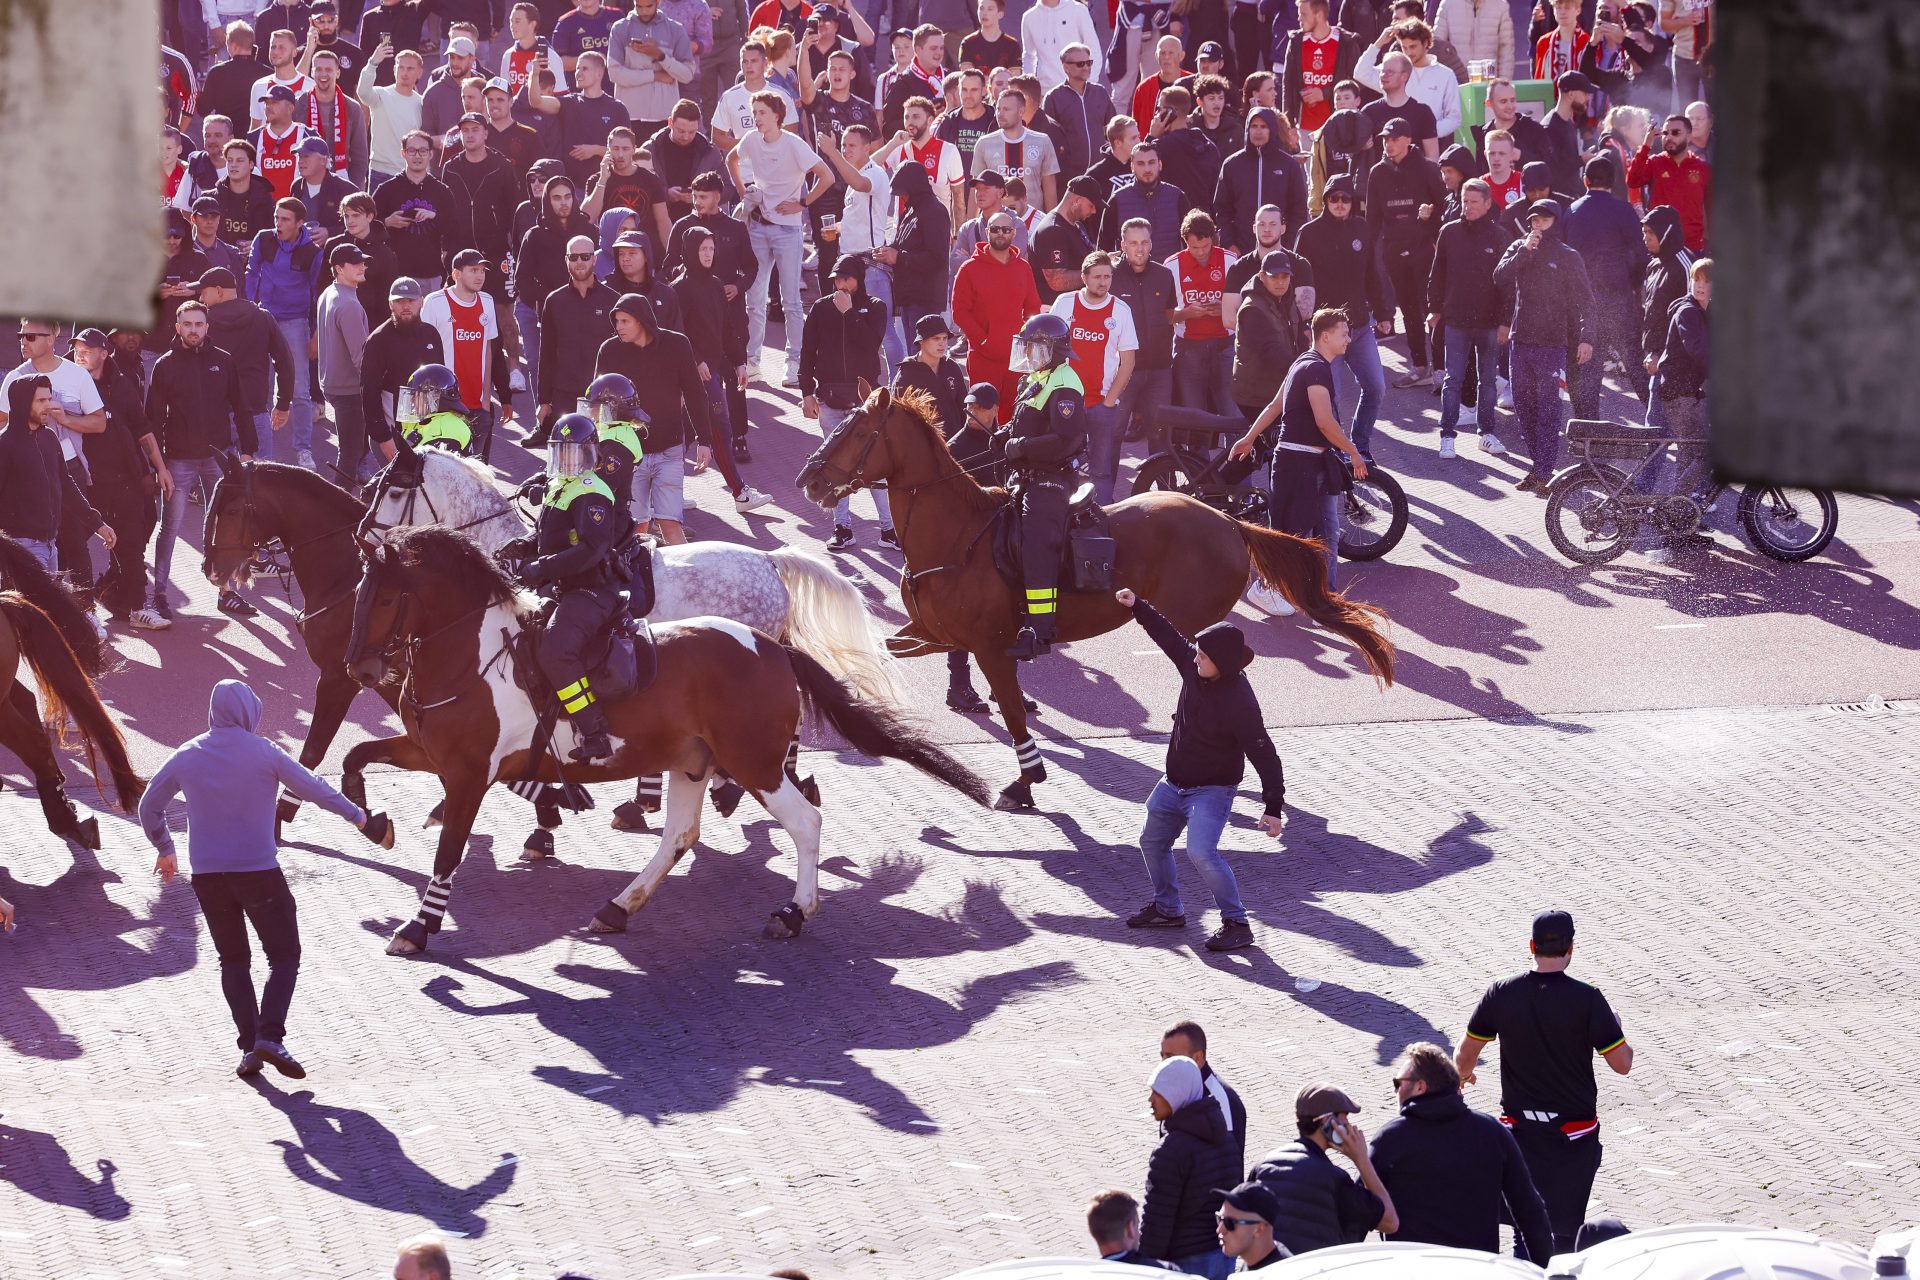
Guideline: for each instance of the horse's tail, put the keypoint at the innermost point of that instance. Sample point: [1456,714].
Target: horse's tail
[65,690]
[21,571]
[1296,567]
[877,729]
[828,621]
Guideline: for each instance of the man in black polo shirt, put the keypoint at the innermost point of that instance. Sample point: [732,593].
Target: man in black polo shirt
[1060,239]
[1550,1026]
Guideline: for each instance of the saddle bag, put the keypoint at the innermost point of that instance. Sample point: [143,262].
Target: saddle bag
[1092,554]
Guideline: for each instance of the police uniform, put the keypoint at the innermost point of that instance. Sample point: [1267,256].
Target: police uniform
[445,429]
[1550,1027]
[1047,431]
[618,451]
[579,527]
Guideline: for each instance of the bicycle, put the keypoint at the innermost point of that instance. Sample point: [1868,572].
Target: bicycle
[1373,517]
[1595,510]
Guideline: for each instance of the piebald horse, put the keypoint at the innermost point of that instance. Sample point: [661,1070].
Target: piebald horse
[434,614]
[1190,561]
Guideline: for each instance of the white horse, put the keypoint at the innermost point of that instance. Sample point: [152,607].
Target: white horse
[797,597]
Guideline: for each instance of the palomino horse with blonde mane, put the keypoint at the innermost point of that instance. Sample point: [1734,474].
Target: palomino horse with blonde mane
[1189,560]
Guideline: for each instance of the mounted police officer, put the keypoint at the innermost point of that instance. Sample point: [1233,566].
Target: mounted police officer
[1046,433]
[574,563]
[430,411]
[619,427]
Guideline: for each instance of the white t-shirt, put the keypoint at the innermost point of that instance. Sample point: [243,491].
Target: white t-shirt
[867,218]
[779,168]
[71,384]
[1119,335]
[735,112]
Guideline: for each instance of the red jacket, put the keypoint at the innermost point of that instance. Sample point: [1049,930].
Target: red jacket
[1685,184]
[992,299]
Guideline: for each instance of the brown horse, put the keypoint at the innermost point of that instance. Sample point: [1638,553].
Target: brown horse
[724,696]
[1191,561]
[41,622]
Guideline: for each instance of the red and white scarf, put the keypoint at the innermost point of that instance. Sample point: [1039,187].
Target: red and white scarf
[339,138]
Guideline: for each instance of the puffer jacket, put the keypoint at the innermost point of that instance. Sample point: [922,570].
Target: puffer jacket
[1666,278]
[1478,29]
[1309,1187]
[1268,336]
[248,333]
[1255,176]
[1552,298]
[1195,1158]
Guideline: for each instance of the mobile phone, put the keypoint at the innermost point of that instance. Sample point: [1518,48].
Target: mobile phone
[540,45]
[386,37]
[1330,1128]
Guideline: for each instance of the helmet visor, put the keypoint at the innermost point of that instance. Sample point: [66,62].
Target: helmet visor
[605,414]
[1030,357]
[415,405]
[569,458]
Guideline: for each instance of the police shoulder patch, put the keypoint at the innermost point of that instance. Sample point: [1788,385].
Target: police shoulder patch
[596,515]
[1068,406]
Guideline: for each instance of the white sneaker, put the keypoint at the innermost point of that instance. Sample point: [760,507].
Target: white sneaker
[1505,387]
[1660,555]
[1469,415]
[99,627]
[305,459]
[750,499]
[148,620]
[517,381]
[1447,449]
[793,374]
[1490,443]
[1268,600]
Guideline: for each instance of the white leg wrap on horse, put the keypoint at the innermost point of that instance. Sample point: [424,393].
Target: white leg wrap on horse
[650,788]
[793,755]
[433,903]
[802,822]
[1028,753]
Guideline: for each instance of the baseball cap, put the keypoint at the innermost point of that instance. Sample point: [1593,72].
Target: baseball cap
[1553,926]
[206,206]
[462,46]
[1396,128]
[404,289]
[1320,1099]
[1572,80]
[1088,187]
[990,178]
[314,147]
[1536,176]
[1547,208]
[322,6]
[280,93]
[1255,1198]
[984,394]
[630,240]
[469,258]
[1278,262]
[935,326]
[1340,186]
[1212,51]
[900,31]
[345,253]
[473,117]
[216,278]
[500,83]
[177,224]
[91,338]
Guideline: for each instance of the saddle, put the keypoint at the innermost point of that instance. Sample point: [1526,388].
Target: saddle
[1090,549]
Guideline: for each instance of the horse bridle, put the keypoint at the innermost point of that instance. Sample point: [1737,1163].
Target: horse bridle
[399,647]
[412,482]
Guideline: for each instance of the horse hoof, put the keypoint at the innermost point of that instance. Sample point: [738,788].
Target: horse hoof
[539,845]
[409,940]
[399,946]
[611,918]
[379,829]
[434,817]
[353,785]
[88,833]
[1016,795]
[787,922]
[727,796]
[631,816]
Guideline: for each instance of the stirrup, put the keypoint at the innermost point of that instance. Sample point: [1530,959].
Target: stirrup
[591,748]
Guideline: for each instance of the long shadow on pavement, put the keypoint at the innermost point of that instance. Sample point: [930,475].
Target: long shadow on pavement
[36,1163]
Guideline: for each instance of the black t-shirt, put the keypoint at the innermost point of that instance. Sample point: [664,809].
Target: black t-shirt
[586,122]
[639,191]
[955,128]
[1549,1026]
[976,50]
[1241,273]
[1297,423]
[833,117]
[1058,245]
[1417,114]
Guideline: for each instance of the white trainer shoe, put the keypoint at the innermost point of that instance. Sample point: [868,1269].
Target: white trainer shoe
[517,381]
[1505,388]
[147,620]
[1446,448]
[1268,600]
[750,499]
[1490,443]
[304,458]
[1660,555]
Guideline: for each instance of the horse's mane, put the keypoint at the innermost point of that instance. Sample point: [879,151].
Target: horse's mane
[308,484]
[467,569]
[479,470]
[21,573]
[976,495]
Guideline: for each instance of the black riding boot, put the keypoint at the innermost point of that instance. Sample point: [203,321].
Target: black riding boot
[590,726]
[1034,639]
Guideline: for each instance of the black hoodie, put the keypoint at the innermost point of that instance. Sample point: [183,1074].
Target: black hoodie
[839,348]
[1462,289]
[540,266]
[1190,162]
[1195,1158]
[1450,1169]
[1348,271]
[703,308]
[1217,728]
[1253,176]
[1666,279]
[922,234]
[34,482]
[664,374]
[1552,298]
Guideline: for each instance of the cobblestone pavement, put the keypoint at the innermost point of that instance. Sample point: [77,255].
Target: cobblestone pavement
[954,1055]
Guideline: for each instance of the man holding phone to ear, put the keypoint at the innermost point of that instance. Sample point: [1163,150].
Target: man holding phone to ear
[1320,1204]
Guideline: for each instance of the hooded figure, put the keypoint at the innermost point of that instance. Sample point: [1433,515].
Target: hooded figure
[921,233]
[703,308]
[1260,173]
[1195,1156]
[34,482]
[540,266]
[1666,278]
[1350,145]
[666,306]
[538,175]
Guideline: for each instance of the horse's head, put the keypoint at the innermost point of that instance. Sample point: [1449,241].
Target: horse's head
[234,531]
[395,494]
[857,453]
[379,616]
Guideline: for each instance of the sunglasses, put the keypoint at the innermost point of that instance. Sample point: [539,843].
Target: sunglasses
[1676,133]
[579,257]
[33,337]
[1234,1224]
[1400,1080]
[1339,199]
[1076,62]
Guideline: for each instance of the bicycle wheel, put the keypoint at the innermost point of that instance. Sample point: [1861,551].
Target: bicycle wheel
[1585,521]
[1375,518]
[1163,473]
[1789,524]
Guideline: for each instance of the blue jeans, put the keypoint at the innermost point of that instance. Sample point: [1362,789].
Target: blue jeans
[1203,374]
[184,472]
[880,289]
[297,332]
[830,420]
[1103,448]
[1146,391]
[1459,342]
[1362,360]
[263,434]
[776,247]
[43,552]
[1213,1264]
[1536,402]
[1202,811]
[529,321]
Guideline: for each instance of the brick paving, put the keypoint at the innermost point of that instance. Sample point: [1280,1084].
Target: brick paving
[953,1057]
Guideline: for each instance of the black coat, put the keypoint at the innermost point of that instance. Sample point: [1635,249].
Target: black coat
[922,234]
[479,214]
[392,353]
[1194,1159]
[1449,1169]
[1347,268]
[1666,279]
[248,333]
[1251,177]
[1192,163]
[35,484]
[1552,300]
[838,349]
[196,405]
[663,372]
[703,309]
[1395,193]
[1461,289]
[114,459]
[572,327]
